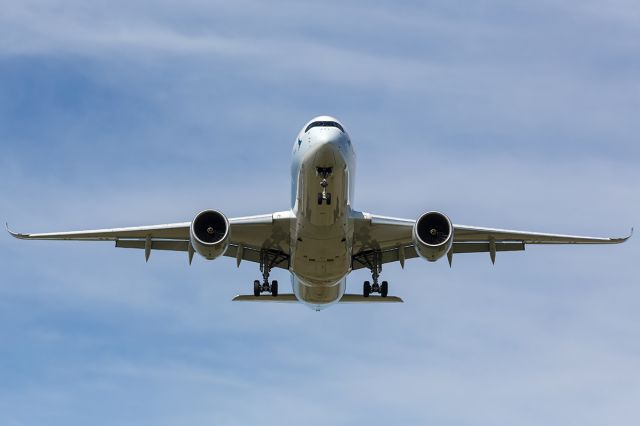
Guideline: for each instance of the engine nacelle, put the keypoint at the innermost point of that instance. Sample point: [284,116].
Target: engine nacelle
[432,236]
[210,234]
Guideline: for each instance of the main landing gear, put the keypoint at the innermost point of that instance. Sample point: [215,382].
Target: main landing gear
[373,261]
[324,173]
[369,288]
[265,287]
[268,259]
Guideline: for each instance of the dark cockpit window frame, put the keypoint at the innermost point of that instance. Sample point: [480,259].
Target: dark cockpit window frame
[324,124]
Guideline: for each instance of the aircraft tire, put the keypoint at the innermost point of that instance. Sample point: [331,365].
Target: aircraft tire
[384,289]
[366,289]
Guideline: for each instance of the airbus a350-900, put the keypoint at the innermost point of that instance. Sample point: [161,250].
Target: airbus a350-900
[321,238]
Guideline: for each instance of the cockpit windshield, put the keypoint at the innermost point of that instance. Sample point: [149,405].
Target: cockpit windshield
[324,124]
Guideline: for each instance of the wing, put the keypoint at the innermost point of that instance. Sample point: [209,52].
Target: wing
[249,237]
[391,239]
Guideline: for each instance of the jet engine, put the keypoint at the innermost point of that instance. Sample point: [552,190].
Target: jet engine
[210,234]
[432,236]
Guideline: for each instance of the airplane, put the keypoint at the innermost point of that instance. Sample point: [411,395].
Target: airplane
[321,238]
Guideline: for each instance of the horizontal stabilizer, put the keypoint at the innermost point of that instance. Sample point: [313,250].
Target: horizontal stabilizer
[358,298]
[291,298]
[281,298]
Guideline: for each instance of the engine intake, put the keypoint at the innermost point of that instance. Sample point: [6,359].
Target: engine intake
[432,235]
[210,234]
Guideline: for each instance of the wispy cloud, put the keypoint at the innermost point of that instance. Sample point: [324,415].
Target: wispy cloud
[499,114]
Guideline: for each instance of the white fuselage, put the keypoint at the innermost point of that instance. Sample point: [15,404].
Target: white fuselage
[322,234]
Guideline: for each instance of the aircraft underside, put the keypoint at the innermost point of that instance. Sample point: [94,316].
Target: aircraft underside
[321,239]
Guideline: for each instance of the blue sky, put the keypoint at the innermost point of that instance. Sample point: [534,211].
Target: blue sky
[508,114]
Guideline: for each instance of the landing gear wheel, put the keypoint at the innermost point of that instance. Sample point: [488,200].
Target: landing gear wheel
[328,198]
[274,288]
[320,198]
[256,288]
[384,289]
[366,289]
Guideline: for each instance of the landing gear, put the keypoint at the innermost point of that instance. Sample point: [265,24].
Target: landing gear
[366,289]
[324,196]
[324,173]
[268,259]
[369,288]
[384,289]
[373,260]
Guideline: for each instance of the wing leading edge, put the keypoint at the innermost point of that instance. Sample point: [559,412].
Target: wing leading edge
[172,231]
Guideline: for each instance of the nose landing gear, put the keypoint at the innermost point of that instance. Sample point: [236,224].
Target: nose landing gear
[324,196]
[324,173]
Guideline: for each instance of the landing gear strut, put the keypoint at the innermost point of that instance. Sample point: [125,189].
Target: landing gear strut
[373,261]
[324,173]
[268,259]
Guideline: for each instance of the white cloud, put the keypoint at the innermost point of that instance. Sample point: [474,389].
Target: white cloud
[94,335]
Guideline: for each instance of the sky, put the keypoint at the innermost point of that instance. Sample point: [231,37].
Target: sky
[519,115]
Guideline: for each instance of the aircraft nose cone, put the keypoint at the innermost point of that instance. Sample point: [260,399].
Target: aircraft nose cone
[327,146]
[328,135]
[329,140]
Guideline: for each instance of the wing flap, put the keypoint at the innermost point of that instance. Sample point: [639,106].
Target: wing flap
[253,255]
[485,247]
[393,255]
[155,244]
[249,254]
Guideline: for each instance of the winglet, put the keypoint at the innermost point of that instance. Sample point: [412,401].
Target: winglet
[13,234]
[623,239]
